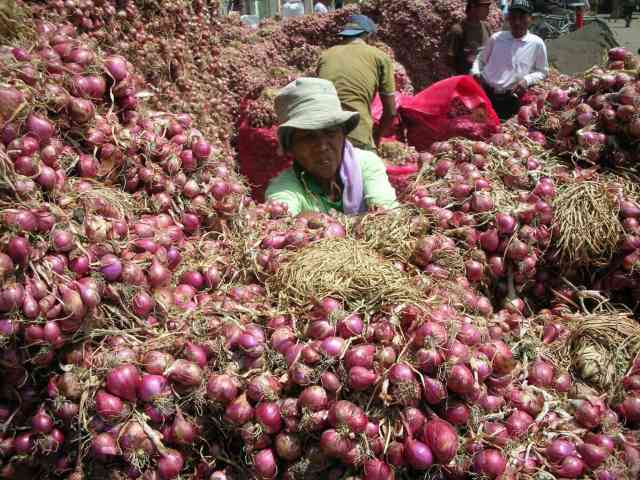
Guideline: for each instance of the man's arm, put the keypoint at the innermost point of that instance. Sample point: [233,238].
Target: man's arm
[386,91]
[482,58]
[454,40]
[389,112]
[540,66]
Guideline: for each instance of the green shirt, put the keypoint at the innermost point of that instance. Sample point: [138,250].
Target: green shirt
[358,71]
[302,194]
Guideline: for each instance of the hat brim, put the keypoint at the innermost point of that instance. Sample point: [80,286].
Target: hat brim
[351,32]
[348,120]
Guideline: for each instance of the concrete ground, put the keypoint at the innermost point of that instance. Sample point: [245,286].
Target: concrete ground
[626,37]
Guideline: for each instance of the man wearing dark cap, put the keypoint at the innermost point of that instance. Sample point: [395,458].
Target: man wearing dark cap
[466,38]
[511,61]
[359,71]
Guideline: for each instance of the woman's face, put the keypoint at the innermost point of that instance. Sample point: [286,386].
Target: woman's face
[318,152]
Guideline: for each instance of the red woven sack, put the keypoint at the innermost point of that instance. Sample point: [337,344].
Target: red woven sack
[258,157]
[455,107]
[376,114]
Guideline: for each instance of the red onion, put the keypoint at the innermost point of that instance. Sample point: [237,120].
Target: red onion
[395,454]
[104,446]
[42,422]
[39,127]
[158,275]
[442,439]
[518,423]
[116,67]
[182,431]
[19,250]
[151,387]
[108,406]
[332,346]
[592,455]
[6,265]
[334,444]
[460,379]
[201,149]
[417,454]
[457,413]
[589,413]
[360,356]
[313,398]
[346,413]
[360,378]
[630,408]
[489,462]
[434,391]
[170,464]
[185,373]
[239,411]
[497,433]
[351,326]
[195,353]
[222,388]
[111,267]
[375,469]
[558,449]
[123,381]
[263,387]
[288,446]
[81,110]
[267,414]
[156,362]
[570,467]
[265,465]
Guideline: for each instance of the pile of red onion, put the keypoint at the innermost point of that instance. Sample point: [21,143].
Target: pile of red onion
[595,121]
[138,338]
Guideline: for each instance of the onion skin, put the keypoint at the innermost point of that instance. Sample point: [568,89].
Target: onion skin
[417,454]
[442,439]
[265,465]
[375,469]
[123,381]
[489,462]
[348,414]
[170,464]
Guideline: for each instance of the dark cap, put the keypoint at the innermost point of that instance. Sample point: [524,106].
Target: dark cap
[357,25]
[521,5]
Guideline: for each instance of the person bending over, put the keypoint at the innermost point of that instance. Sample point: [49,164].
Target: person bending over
[511,61]
[359,71]
[328,172]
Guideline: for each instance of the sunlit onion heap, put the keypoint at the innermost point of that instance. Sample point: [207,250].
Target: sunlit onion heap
[156,323]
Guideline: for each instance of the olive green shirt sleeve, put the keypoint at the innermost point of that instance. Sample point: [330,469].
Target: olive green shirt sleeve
[387,84]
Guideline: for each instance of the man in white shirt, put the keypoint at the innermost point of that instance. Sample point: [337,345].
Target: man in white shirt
[292,8]
[511,61]
[320,7]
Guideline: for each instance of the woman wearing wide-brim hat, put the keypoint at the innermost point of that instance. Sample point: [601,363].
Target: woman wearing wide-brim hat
[328,173]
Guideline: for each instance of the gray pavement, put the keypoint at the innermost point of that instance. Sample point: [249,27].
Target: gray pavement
[626,37]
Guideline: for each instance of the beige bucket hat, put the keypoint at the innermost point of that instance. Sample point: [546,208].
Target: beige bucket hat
[310,104]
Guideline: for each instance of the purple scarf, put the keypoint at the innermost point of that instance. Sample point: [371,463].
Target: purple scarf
[353,188]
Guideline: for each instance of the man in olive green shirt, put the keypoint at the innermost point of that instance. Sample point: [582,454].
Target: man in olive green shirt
[359,71]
